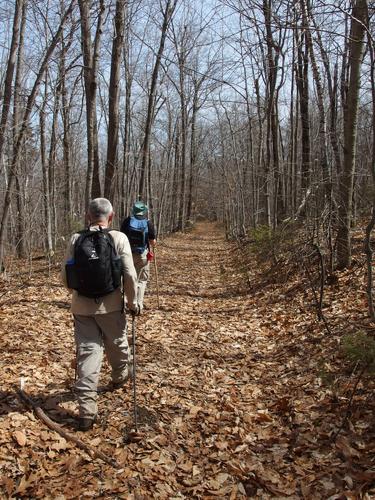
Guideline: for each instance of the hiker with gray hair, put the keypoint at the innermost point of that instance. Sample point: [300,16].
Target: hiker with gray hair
[142,237]
[99,268]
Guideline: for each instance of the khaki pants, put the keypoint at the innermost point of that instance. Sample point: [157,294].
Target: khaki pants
[93,335]
[142,266]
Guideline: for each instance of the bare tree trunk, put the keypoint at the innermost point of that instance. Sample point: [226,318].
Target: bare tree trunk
[332,91]
[167,15]
[359,22]
[114,97]
[175,183]
[273,55]
[249,150]
[262,161]
[46,176]
[368,249]
[52,165]
[303,89]
[240,218]
[125,183]
[90,59]
[10,71]
[126,149]
[68,208]
[21,246]
[323,148]
[183,138]
[291,159]
[322,116]
[24,125]
[193,156]
[167,177]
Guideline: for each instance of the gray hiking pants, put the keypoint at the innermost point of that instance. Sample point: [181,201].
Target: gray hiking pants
[93,335]
[142,266]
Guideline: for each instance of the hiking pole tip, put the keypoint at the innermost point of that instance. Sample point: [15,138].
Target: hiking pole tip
[133,436]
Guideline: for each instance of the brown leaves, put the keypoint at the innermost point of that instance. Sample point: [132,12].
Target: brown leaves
[230,399]
[19,437]
[347,450]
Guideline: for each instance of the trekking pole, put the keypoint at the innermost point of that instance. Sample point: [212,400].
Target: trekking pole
[134,376]
[157,279]
[76,367]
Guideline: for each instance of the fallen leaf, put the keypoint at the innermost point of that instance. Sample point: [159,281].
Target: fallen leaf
[20,437]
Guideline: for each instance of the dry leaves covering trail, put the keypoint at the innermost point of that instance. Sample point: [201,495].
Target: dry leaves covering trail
[230,401]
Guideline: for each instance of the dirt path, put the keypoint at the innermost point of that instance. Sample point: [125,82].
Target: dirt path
[210,350]
[226,406]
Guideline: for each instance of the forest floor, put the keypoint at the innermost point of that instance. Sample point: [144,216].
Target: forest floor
[241,390]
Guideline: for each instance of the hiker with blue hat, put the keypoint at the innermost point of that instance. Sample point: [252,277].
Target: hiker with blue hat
[142,238]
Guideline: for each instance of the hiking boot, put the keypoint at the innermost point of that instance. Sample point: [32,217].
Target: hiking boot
[86,423]
[118,385]
[121,383]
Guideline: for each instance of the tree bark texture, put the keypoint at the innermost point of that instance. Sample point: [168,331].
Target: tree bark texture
[24,125]
[90,52]
[114,98]
[359,22]
[167,15]
[6,100]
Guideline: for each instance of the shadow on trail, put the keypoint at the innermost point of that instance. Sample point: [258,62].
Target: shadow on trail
[50,403]
[222,294]
[11,401]
[186,246]
[43,303]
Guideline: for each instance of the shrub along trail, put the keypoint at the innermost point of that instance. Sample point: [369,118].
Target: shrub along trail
[229,385]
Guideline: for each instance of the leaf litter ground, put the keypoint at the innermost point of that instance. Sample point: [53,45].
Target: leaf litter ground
[231,402]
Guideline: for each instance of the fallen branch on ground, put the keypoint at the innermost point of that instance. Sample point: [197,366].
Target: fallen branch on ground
[67,435]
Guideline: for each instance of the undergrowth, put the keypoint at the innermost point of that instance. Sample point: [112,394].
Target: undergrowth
[359,349]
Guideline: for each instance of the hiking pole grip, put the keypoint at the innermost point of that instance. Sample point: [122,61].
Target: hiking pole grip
[157,278]
[134,375]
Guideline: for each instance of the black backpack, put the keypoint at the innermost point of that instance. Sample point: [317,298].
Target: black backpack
[96,268]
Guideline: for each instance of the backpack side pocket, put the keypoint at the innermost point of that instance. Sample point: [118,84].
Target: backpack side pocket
[116,270]
[71,274]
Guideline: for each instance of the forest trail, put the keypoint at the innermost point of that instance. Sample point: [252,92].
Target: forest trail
[230,404]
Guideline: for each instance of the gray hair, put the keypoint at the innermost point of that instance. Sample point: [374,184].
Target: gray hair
[99,209]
